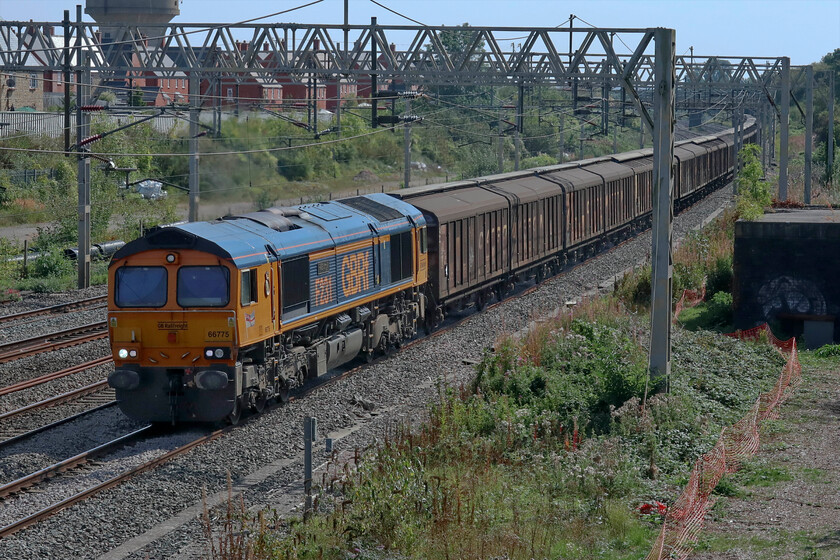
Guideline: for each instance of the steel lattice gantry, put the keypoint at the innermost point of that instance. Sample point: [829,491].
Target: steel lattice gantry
[534,56]
[486,56]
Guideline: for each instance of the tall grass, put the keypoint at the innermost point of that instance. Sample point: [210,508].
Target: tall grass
[548,453]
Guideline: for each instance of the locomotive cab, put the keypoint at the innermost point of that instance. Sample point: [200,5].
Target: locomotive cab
[173,332]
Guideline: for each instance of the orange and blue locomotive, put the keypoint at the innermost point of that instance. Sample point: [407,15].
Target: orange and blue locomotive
[209,318]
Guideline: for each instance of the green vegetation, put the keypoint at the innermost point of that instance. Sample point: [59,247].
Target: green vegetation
[703,258]
[548,453]
[712,315]
[754,194]
[52,200]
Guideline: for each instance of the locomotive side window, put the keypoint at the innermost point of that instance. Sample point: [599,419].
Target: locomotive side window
[424,242]
[250,292]
[203,286]
[140,286]
[401,256]
[295,287]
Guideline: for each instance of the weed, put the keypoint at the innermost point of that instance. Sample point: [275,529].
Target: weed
[817,476]
[756,474]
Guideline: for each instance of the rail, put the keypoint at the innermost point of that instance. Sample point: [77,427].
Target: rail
[29,383]
[52,341]
[54,309]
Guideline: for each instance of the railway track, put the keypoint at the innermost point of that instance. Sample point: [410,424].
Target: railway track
[86,458]
[53,376]
[52,341]
[9,436]
[28,316]
[69,464]
[95,394]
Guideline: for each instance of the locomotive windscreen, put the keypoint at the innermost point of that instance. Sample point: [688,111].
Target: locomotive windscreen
[203,286]
[140,286]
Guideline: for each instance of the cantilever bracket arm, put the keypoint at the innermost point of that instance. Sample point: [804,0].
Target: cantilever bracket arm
[101,135]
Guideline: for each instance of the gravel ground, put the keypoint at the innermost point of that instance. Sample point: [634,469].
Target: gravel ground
[797,518]
[104,468]
[26,328]
[33,301]
[399,388]
[49,447]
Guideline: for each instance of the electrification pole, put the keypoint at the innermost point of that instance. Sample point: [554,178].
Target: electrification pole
[830,151]
[66,72]
[661,257]
[195,196]
[520,122]
[783,140]
[407,143]
[374,121]
[83,173]
[809,129]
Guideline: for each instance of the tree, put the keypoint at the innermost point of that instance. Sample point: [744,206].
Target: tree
[753,193]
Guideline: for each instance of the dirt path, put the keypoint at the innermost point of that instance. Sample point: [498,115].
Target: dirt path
[785,503]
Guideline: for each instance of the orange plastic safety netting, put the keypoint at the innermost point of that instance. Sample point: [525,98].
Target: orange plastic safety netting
[689,298]
[684,518]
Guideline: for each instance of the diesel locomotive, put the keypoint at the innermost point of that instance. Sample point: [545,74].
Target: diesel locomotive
[207,319]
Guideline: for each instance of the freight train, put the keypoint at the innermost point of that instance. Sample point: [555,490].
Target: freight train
[207,319]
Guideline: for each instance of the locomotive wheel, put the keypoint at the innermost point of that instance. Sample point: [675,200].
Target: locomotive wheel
[283,394]
[236,414]
[259,402]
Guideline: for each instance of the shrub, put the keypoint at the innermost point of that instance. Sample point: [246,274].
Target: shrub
[828,351]
[539,160]
[634,288]
[720,309]
[52,263]
[719,276]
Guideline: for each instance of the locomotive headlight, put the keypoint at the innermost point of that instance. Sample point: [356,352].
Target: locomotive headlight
[123,353]
[219,352]
[171,258]
[209,353]
[132,353]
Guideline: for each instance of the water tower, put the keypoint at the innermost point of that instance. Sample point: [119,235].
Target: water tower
[151,16]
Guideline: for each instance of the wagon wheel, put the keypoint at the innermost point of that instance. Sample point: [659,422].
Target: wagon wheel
[480,301]
[236,413]
[428,323]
